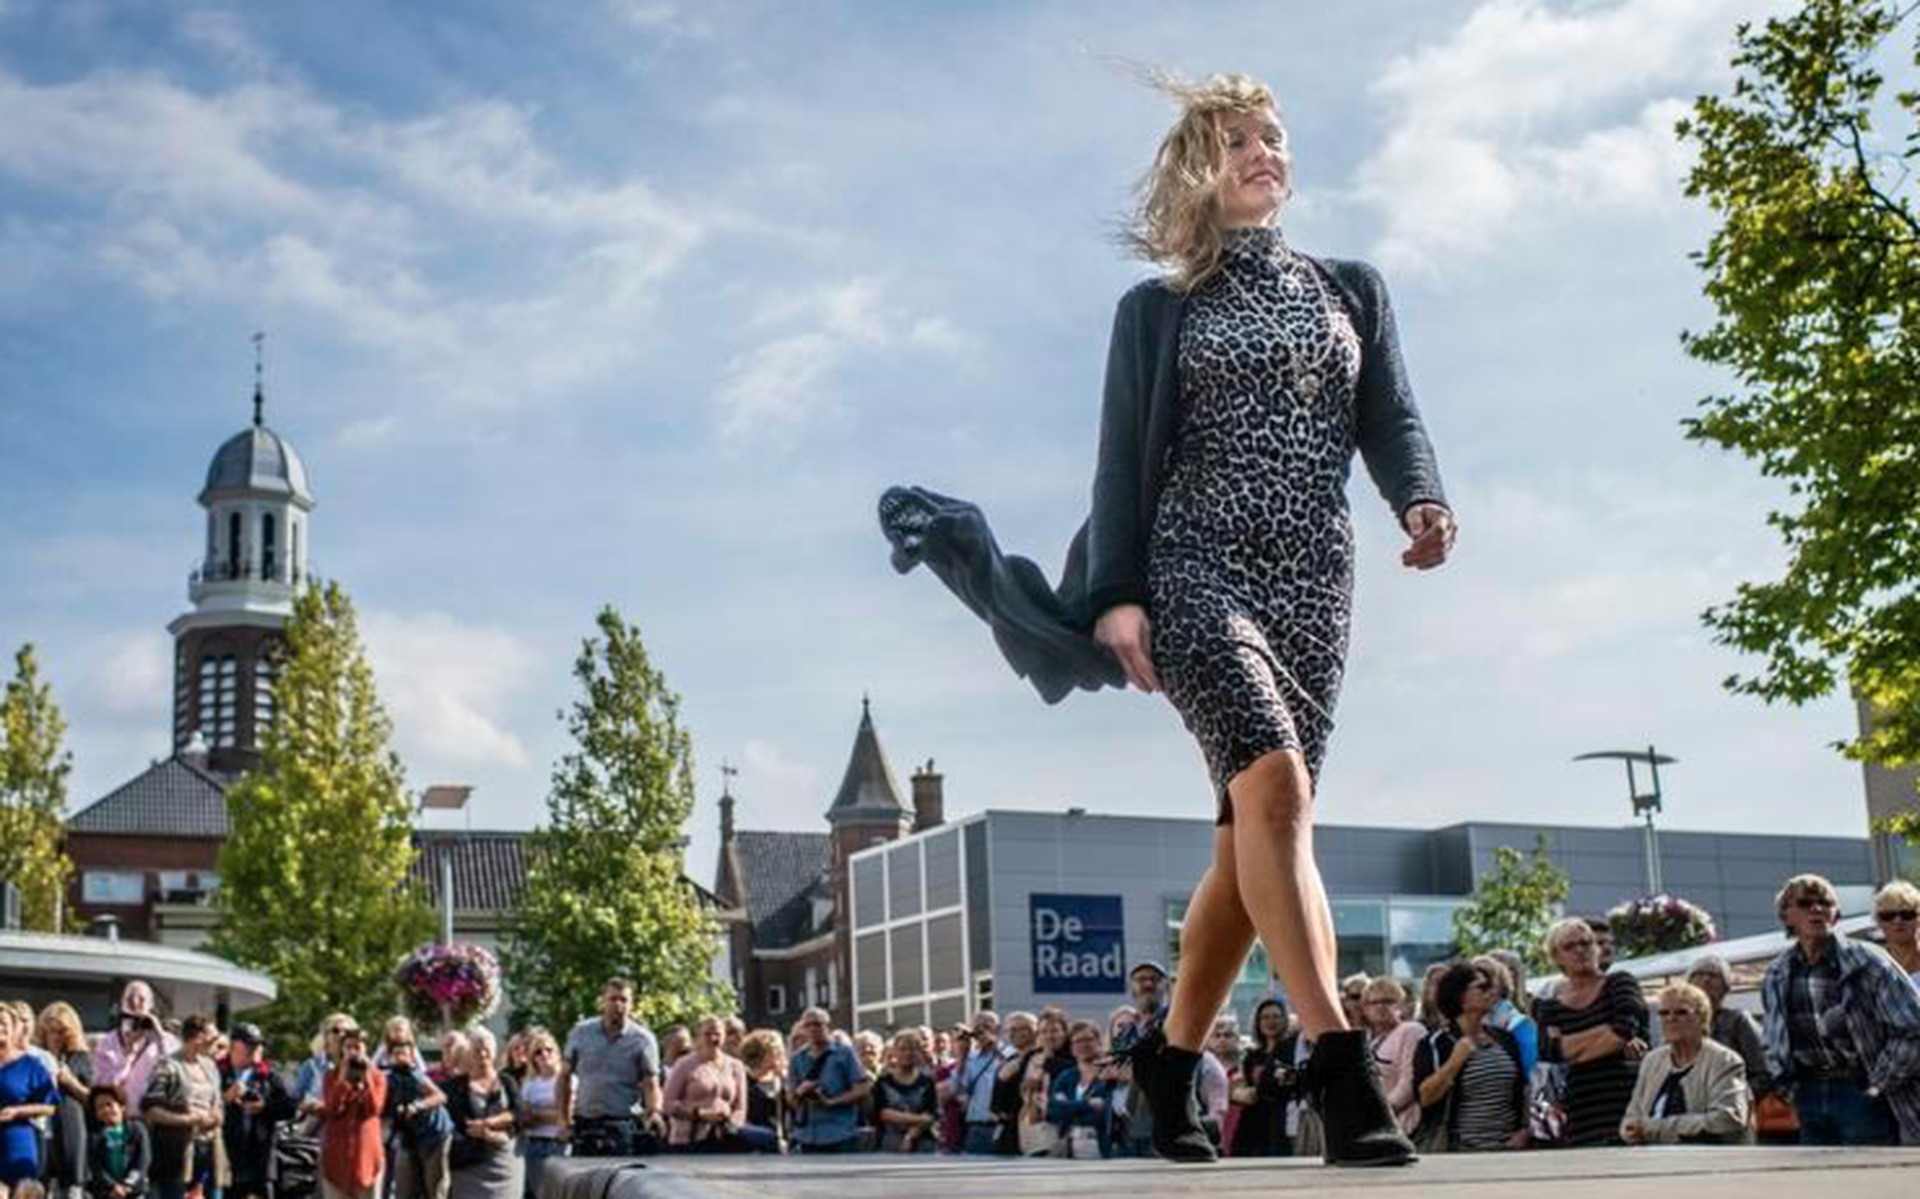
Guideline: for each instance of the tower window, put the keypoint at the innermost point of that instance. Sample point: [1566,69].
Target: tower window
[262,698]
[209,697]
[234,569]
[223,734]
[269,528]
[293,550]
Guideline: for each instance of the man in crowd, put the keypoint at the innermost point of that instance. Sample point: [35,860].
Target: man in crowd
[608,1091]
[1731,1027]
[1602,940]
[1147,989]
[1843,1027]
[255,1099]
[972,1087]
[128,1055]
[183,1108]
[828,1086]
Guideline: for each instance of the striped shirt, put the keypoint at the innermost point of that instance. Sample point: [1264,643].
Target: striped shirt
[1484,1114]
[1597,1091]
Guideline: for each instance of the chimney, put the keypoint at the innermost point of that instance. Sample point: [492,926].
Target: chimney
[929,803]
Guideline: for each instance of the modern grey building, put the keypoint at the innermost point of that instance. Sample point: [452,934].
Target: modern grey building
[1014,910]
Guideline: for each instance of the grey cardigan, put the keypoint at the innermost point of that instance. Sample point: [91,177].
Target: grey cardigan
[1045,632]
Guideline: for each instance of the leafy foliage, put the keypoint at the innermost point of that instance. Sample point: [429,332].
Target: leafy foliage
[33,795]
[605,892]
[314,887]
[1815,274]
[1513,905]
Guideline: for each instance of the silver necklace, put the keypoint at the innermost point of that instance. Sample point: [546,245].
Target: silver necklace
[1308,375]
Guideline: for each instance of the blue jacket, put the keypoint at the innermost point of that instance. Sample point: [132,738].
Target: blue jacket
[1045,632]
[1066,1109]
[1882,1012]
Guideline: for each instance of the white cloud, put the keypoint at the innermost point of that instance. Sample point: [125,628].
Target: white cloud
[1527,112]
[780,381]
[448,685]
[263,192]
[224,34]
[127,674]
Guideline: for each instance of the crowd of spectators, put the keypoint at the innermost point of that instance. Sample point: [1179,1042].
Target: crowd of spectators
[1478,1061]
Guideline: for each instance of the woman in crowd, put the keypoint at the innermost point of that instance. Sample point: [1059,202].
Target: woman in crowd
[1690,1089]
[1507,1013]
[541,1120]
[1467,1075]
[1429,1005]
[1120,1029]
[764,1059]
[1080,1102]
[453,1058]
[1219,1074]
[309,1082]
[1896,909]
[706,1095]
[352,1095]
[871,1050]
[1266,1086]
[129,1053]
[1039,1137]
[906,1108]
[417,1112]
[1730,1026]
[517,1058]
[482,1101]
[1516,983]
[66,1043]
[1597,1025]
[1353,998]
[1393,1038]
[27,1093]
[953,1108]
[119,1151]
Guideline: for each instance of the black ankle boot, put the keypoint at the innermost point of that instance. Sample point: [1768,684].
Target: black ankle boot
[1343,1081]
[1170,1076]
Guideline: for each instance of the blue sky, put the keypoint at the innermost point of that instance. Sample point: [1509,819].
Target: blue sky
[644,303]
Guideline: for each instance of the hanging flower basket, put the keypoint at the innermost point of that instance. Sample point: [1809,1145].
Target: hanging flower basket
[448,986]
[1659,924]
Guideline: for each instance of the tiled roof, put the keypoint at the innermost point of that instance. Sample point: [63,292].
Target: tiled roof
[168,799]
[489,869]
[778,873]
[868,787]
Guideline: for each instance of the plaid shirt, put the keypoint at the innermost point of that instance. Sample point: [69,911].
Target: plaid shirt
[1879,1007]
[1819,1042]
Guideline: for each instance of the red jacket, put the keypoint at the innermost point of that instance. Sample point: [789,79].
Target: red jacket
[350,1154]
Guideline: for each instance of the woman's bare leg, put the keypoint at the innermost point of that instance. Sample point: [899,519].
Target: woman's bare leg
[1280,887]
[1214,940]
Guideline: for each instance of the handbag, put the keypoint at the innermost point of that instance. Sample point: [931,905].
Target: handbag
[1773,1115]
[1547,1104]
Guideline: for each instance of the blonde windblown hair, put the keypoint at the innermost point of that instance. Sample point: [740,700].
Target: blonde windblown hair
[1175,221]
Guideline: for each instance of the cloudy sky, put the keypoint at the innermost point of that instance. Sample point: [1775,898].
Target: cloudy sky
[645,303]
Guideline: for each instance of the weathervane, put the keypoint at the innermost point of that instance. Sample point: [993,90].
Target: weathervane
[727,774]
[259,377]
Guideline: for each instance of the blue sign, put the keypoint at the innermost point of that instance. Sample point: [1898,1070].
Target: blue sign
[1079,944]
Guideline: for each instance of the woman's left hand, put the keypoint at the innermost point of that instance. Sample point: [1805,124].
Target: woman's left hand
[1433,531]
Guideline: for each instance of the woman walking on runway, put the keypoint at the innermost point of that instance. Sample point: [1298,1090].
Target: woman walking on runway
[1217,567]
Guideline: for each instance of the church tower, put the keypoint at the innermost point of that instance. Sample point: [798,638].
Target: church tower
[258,507]
[867,810]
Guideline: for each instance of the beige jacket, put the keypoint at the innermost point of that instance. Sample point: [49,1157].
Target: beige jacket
[1716,1094]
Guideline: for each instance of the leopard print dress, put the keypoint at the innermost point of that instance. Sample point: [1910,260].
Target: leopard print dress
[1250,563]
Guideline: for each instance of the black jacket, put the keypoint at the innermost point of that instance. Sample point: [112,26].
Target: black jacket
[100,1181]
[249,1136]
[1046,632]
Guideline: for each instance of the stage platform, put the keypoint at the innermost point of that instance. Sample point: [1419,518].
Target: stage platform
[1656,1173]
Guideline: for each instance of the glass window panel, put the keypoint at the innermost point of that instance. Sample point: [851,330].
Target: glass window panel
[1420,933]
[943,954]
[903,881]
[113,886]
[871,985]
[943,870]
[945,1013]
[909,971]
[1361,926]
[869,900]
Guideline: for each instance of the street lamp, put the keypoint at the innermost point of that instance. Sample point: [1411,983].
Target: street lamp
[1643,804]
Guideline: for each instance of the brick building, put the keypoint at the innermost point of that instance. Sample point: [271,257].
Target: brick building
[786,892]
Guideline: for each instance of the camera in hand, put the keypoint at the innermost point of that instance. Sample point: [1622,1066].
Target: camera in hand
[356,1068]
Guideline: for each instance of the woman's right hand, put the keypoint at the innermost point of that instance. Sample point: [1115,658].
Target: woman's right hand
[1124,631]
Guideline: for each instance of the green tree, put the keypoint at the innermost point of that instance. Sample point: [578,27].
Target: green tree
[1513,905]
[1814,271]
[605,892]
[314,888]
[33,796]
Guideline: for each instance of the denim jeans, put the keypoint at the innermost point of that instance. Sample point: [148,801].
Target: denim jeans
[1836,1112]
[537,1150]
[983,1139]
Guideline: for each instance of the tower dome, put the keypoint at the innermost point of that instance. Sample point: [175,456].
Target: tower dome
[259,461]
